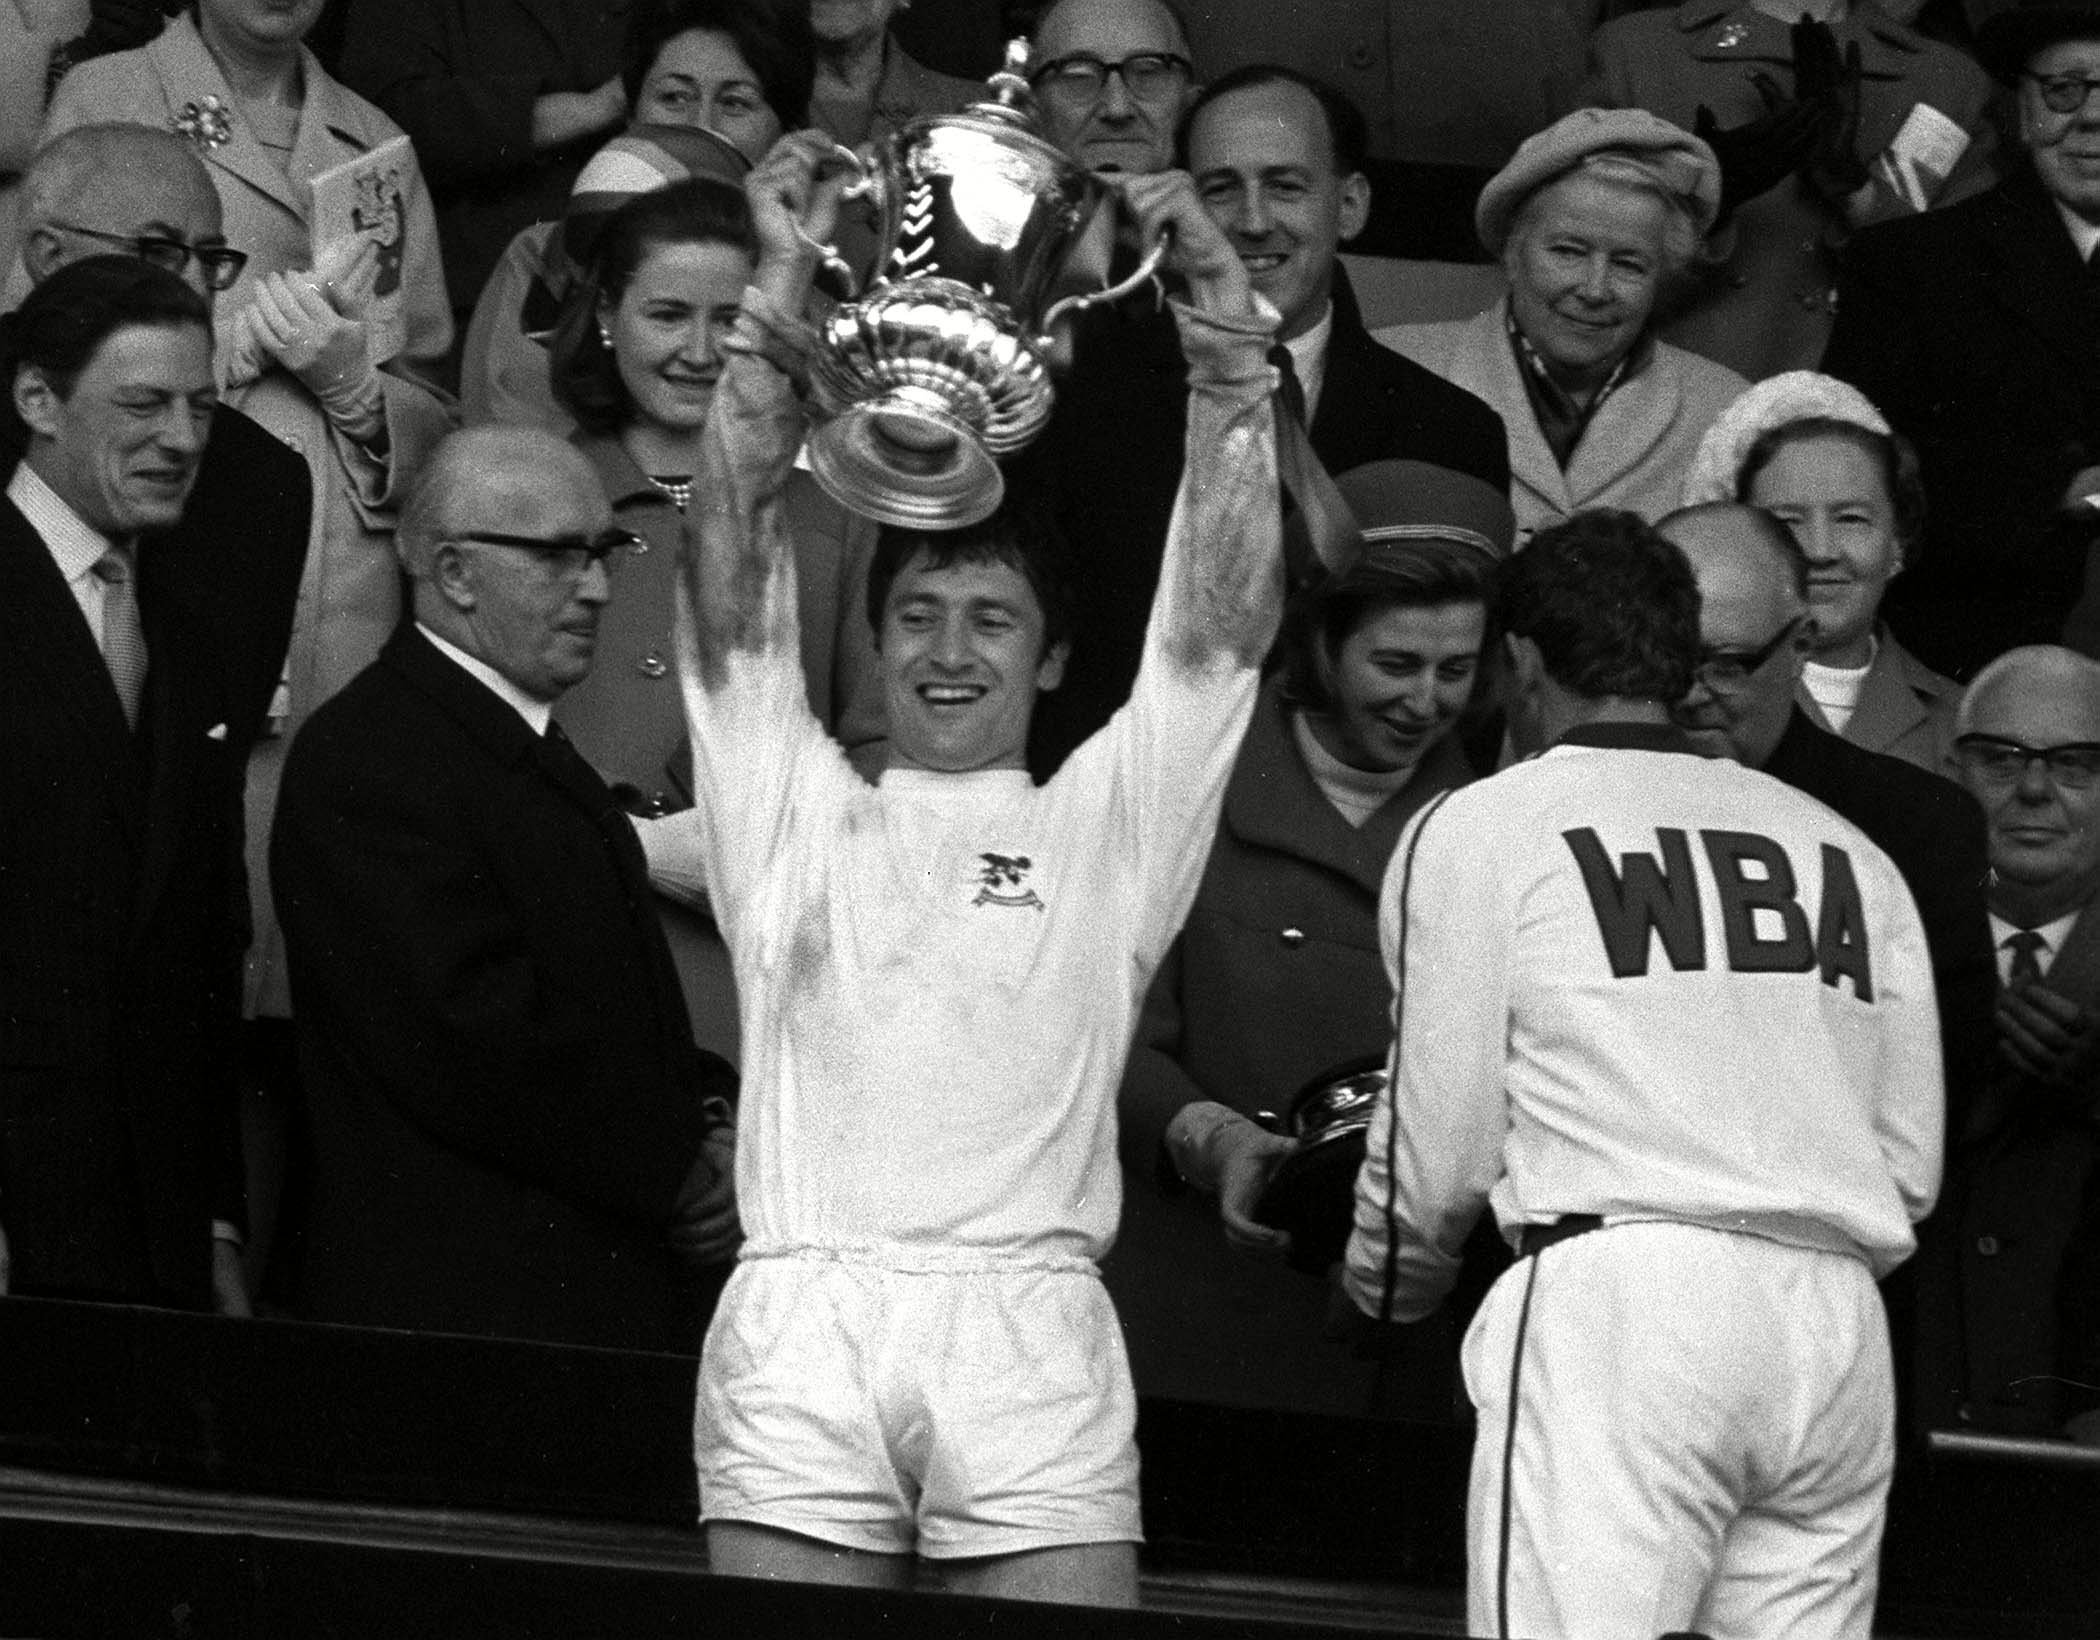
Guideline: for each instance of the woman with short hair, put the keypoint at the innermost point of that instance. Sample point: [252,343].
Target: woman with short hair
[1815,452]
[1595,220]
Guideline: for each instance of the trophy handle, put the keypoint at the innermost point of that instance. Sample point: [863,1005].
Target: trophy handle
[866,185]
[1109,293]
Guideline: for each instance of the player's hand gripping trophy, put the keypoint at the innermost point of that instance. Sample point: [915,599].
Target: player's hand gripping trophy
[939,368]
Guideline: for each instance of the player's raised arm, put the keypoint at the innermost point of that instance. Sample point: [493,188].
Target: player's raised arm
[739,571]
[1221,582]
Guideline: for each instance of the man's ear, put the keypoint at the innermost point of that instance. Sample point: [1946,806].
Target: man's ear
[452,574]
[36,401]
[1356,205]
[1050,670]
[43,254]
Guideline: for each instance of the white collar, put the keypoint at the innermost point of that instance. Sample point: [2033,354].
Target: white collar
[1309,359]
[2085,235]
[538,713]
[75,543]
[2053,935]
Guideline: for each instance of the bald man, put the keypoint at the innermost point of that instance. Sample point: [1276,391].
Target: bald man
[2027,744]
[514,1134]
[1755,632]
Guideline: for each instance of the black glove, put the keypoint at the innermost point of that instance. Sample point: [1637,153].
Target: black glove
[1831,83]
[1761,153]
[118,25]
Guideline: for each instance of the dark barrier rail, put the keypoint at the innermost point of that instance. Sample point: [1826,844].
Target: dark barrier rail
[163,1462]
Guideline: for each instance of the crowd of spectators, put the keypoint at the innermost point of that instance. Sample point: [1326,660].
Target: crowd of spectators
[1804,283]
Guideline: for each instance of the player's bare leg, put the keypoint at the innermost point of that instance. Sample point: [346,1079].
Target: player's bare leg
[739,1549]
[1083,1574]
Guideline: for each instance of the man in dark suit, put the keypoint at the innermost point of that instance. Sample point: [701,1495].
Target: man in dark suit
[120,910]
[1277,160]
[1754,626]
[514,1133]
[2027,1168]
[235,558]
[1976,330]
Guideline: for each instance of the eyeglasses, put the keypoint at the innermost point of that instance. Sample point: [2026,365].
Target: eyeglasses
[1727,669]
[2073,765]
[1081,77]
[2063,93]
[570,555]
[221,264]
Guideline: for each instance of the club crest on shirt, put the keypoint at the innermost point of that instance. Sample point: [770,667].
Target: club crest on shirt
[1002,881]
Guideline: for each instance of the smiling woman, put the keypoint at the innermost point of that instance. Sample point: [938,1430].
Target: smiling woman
[1816,454]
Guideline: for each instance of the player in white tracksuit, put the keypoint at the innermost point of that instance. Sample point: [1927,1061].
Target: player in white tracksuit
[939,975]
[1674,1022]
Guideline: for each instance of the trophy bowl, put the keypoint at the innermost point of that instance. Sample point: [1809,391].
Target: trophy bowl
[938,369]
[1312,1193]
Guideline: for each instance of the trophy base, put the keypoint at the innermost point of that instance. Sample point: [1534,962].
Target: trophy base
[902,458]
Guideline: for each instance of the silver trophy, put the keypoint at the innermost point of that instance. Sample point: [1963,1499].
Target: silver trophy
[938,368]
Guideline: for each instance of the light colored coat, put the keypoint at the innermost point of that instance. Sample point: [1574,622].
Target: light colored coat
[1635,450]
[1905,709]
[351,597]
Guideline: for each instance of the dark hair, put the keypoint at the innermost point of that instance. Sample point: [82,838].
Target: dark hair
[1610,602]
[1417,575]
[63,322]
[773,36]
[1019,534]
[1900,474]
[1347,135]
[695,211]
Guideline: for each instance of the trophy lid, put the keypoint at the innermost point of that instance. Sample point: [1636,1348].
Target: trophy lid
[1008,115]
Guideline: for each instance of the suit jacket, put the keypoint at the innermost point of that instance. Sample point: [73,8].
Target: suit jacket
[461,77]
[120,932]
[1276,978]
[1976,330]
[1110,461]
[1636,448]
[1763,303]
[503,1087]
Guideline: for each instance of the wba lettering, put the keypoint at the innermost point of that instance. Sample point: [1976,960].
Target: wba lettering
[1647,899]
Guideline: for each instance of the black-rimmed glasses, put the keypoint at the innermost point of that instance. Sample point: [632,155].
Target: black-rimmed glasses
[568,554]
[221,263]
[1080,76]
[1727,669]
[2063,93]
[2001,761]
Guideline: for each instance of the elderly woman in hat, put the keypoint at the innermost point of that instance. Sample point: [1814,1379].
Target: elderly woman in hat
[1594,219]
[1277,977]
[1813,451]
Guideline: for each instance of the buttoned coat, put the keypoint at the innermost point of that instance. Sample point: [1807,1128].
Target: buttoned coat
[1764,302]
[503,1087]
[1276,978]
[1976,331]
[1636,448]
[350,598]
[120,934]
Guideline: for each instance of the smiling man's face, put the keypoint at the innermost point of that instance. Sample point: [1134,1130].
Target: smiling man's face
[1265,168]
[963,658]
[2065,148]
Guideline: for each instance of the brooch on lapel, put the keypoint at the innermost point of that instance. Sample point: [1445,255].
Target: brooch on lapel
[209,124]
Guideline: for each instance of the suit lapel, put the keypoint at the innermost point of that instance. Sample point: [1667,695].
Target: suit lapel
[188,75]
[47,644]
[1348,424]
[1487,366]
[172,713]
[2031,267]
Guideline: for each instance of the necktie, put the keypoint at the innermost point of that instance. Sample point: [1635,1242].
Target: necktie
[1290,391]
[123,639]
[2024,945]
[1323,531]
